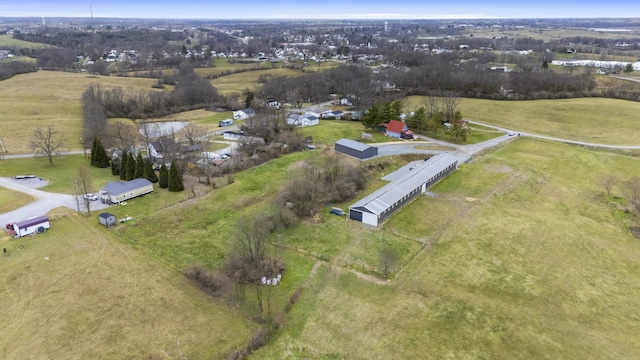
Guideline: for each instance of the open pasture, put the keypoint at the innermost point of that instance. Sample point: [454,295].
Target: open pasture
[76,292]
[49,98]
[9,41]
[239,82]
[526,259]
[595,120]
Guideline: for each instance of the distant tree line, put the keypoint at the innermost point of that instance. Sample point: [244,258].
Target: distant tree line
[191,92]
[10,68]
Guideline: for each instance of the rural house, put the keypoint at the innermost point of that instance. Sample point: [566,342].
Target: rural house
[406,184]
[244,114]
[355,148]
[116,192]
[399,130]
[303,120]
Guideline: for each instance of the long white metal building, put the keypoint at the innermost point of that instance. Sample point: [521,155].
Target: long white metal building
[406,184]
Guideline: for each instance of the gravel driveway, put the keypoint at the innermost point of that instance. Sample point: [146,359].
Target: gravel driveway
[45,202]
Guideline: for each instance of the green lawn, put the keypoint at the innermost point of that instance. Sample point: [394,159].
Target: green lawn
[76,292]
[11,200]
[526,259]
[330,131]
[239,82]
[9,41]
[596,120]
[60,176]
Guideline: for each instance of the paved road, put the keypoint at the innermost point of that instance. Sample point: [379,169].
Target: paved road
[566,141]
[30,155]
[45,202]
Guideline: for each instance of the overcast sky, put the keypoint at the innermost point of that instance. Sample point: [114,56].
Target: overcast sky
[326,9]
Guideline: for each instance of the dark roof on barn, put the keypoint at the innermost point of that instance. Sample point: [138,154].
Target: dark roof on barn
[380,200]
[119,187]
[248,111]
[106,215]
[352,144]
[30,222]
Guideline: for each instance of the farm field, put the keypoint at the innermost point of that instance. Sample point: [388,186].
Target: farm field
[549,35]
[11,200]
[595,120]
[239,82]
[529,260]
[89,296]
[9,41]
[47,97]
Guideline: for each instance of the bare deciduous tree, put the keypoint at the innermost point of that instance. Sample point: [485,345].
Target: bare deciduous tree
[607,181]
[124,135]
[631,191]
[195,134]
[85,186]
[47,141]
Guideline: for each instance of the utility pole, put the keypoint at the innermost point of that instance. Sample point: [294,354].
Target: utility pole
[75,185]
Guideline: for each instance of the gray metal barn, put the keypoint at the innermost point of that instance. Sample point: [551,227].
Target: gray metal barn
[355,148]
[408,183]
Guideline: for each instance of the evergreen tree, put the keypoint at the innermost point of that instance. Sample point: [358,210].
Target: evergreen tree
[149,173]
[131,167]
[93,151]
[418,121]
[123,165]
[139,167]
[115,168]
[396,110]
[164,177]
[101,159]
[371,119]
[175,181]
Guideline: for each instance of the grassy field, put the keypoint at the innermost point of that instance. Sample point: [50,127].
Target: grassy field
[49,98]
[9,41]
[239,82]
[87,296]
[549,35]
[529,260]
[11,200]
[330,131]
[60,176]
[596,120]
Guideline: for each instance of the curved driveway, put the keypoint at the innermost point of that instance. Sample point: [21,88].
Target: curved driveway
[45,202]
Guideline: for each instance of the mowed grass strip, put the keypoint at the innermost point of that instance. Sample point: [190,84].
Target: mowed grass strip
[11,200]
[49,98]
[596,120]
[75,292]
[528,259]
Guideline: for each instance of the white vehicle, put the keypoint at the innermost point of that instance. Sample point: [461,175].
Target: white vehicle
[92,197]
[512,133]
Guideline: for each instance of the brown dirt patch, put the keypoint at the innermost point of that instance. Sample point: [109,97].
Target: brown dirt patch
[192,184]
[635,230]
[497,168]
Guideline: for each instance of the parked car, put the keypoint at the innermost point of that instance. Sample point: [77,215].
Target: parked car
[512,133]
[92,197]
[310,147]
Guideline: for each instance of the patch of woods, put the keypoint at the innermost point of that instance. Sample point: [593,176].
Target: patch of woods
[254,261]
[10,68]
[630,190]
[190,92]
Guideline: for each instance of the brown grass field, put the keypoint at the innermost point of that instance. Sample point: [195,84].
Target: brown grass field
[49,98]
[87,296]
[596,120]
